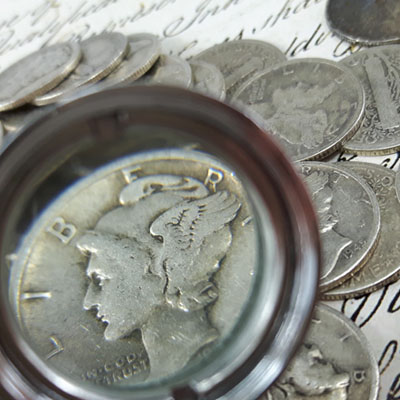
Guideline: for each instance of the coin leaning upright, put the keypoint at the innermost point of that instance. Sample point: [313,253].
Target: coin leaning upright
[100,55]
[37,73]
[378,69]
[335,361]
[240,60]
[368,22]
[384,265]
[310,105]
[349,219]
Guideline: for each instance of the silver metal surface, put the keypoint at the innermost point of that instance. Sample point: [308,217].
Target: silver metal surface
[101,54]
[14,120]
[208,79]
[371,23]
[37,73]
[349,219]
[384,265]
[335,362]
[168,70]
[240,60]
[144,50]
[378,69]
[310,105]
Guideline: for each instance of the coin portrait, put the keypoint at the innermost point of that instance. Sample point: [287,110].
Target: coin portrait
[157,258]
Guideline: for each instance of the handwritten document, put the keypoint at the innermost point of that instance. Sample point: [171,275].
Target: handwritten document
[297,27]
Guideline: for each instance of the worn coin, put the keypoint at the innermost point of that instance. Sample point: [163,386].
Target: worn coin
[37,73]
[208,79]
[379,72]
[310,105]
[100,55]
[349,219]
[137,268]
[335,362]
[168,70]
[384,265]
[144,50]
[14,120]
[240,60]
[368,22]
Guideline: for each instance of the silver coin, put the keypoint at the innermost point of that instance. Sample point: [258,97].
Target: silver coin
[379,72]
[397,184]
[152,243]
[335,362]
[15,119]
[144,50]
[367,22]
[384,265]
[100,55]
[311,105]
[37,73]
[240,60]
[349,219]
[168,70]
[208,79]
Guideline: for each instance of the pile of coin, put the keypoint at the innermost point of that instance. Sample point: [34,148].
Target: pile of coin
[313,107]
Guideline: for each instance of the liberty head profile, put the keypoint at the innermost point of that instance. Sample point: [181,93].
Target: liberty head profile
[333,243]
[310,376]
[151,261]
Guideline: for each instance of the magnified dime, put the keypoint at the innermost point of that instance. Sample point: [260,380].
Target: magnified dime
[208,79]
[136,269]
[16,119]
[240,60]
[335,362]
[349,219]
[100,55]
[384,265]
[379,71]
[311,105]
[144,50]
[37,73]
[367,22]
[168,70]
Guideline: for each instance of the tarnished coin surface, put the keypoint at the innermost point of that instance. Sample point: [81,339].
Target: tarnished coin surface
[349,219]
[310,105]
[168,70]
[368,22]
[384,265]
[137,268]
[144,50]
[335,362]
[240,60]
[379,70]
[101,54]
[16,119]
[208,79]
[37,73]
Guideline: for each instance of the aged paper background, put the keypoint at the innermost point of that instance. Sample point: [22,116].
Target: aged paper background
[297,27]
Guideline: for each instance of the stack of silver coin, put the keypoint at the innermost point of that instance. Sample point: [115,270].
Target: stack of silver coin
[314,108]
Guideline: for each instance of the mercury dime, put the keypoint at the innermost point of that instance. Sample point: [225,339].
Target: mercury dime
[100,55]
[349,219]
[36,74]
[137,268]
[208,79]
[240,60]
[335,362]
[379,71]
[384,265]
[144,50]
[311,105]
[168,70]
[367,22]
